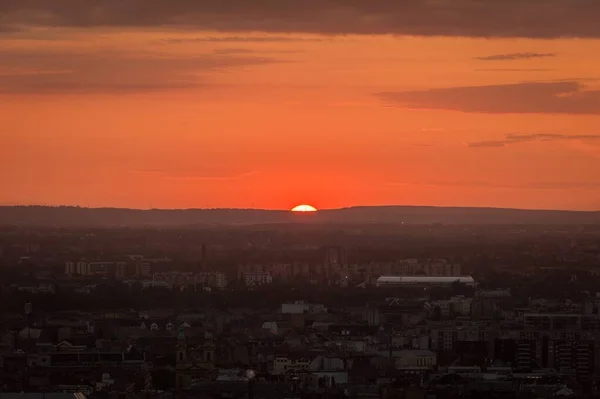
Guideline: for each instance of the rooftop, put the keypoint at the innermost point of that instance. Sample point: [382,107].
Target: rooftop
[424,279]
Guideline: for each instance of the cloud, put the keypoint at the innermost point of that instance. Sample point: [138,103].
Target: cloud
[37,72]
[563,97]
[241,39]
[10,28]
[22,72]
[515,56]
[233,51]
[229,51]
[58,87]
[486,184]
[488,144]
[171,175]
[510,139]
[514,69]
[483,18]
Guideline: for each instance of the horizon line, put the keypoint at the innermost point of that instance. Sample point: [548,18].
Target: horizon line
[289,210]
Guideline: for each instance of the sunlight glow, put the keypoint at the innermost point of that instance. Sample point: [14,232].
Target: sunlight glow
[304,208]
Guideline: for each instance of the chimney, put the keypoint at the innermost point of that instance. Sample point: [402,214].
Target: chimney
[251,388]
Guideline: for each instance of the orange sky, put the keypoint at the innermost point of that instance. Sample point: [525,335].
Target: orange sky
[143,117]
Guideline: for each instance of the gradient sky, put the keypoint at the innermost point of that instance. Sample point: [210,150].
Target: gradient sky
[272,103]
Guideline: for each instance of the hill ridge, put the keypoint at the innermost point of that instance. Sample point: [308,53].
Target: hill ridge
[74,216]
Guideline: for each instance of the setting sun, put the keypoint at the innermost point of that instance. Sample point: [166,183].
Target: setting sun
[304,208]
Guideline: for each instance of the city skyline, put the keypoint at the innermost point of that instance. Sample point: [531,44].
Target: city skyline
[416,103]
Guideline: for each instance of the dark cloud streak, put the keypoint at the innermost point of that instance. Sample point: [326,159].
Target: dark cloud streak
[111,72]
[483,18]
[510,139]
[515,56]
[565,97]
[514,69]
[535,185]
[237,51]
[240,39]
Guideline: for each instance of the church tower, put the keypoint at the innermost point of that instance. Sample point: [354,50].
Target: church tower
[181,360]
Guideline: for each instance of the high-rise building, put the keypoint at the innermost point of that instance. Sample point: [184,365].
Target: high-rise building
[336,260]
[572,355]
[203,259]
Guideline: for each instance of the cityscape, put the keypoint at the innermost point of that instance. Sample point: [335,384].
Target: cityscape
[305,310]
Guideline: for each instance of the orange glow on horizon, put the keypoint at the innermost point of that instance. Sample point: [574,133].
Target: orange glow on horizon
[171,119]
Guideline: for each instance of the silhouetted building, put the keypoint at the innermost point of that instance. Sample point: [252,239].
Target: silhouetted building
[204,258]
[336,259]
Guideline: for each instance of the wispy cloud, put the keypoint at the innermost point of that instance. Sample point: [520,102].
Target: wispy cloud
[485,18]
[524,138]
[232,51]
[514,56]
[533,185]
[170,175]
[22,72]
[241,39]
[10,28]
[37,72]
[565,97]
[514,69]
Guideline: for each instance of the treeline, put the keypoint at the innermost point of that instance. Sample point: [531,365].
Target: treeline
[267,298]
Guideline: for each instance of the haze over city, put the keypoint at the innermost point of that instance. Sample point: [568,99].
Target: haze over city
[271,104]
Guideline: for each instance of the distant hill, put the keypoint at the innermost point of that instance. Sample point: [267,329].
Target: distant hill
[112,217]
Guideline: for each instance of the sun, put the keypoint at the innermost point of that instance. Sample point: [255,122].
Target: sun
[304,208]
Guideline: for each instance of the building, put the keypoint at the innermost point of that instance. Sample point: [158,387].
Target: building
[553,321]
[457,305]
[38,289]
[441,267]
[212,279]
[84,268]
[394,281]
[336,260]
[208,279]
[254,279]
[301,307]
[572,356]
[488,303]
[203,258]
[291,362]
[415,359]
[193,361]
[279,271]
